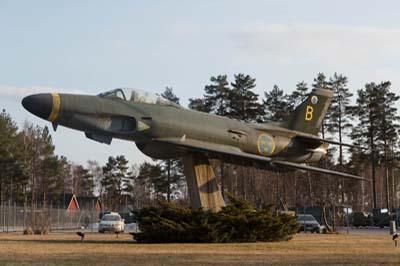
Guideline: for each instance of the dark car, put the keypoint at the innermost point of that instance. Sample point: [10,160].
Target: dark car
[381,217]
[362,219]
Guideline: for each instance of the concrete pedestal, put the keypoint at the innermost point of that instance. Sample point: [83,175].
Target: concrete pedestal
[202,184]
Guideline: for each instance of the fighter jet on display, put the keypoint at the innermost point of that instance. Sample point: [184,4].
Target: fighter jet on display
[162,129]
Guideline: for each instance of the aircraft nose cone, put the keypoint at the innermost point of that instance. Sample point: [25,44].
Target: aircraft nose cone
[40,105]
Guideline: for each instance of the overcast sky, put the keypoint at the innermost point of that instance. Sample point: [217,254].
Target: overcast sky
[93,46]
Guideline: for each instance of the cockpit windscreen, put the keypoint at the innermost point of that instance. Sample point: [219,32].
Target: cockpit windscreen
[137,96]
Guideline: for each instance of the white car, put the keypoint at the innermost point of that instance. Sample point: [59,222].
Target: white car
[112,223]
[308,223]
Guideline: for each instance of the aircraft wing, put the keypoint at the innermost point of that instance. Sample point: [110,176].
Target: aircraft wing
[211,148]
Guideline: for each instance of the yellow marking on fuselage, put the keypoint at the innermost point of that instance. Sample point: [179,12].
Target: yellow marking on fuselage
[56,107]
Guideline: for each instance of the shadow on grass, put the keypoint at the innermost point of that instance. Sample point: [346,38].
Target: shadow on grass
[71,241]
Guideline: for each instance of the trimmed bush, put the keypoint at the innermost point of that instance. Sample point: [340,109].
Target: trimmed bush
[237,222]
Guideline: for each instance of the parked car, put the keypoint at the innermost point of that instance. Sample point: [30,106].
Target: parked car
[381,217]
[112,223]
[308,223]
[362,219]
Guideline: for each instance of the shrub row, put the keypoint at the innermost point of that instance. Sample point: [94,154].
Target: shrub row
[237,222]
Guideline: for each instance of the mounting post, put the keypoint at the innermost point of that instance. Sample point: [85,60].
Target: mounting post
[202,183]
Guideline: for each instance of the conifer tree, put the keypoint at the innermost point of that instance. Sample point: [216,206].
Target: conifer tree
[173,168]
[377,127]
[13,174]
[340,113]
[388,132]
[116,180]
[366,130]
[198,104]
[276,105]
[83,181]
[243,102]
[216,96]
[151,174]
[321,82]
[170,95]
[298,95]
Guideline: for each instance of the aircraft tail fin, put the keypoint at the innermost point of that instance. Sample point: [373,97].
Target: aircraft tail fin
[308,116]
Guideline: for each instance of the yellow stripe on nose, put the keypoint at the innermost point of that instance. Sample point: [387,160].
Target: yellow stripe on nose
[56,107]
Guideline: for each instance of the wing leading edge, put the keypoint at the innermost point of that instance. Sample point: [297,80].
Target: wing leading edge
[195,145]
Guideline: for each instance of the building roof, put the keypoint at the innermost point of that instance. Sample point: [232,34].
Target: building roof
[88,203]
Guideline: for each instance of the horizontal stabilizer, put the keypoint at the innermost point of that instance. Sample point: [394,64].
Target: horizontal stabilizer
[306,137]
[319,170]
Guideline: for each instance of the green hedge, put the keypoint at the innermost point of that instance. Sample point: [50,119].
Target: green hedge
[237,222]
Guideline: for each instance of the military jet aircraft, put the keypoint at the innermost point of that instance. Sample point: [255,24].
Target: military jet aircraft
[162,129]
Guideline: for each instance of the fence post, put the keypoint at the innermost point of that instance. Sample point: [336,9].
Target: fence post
[1,214]
[50,215]
[58,218]
[8,215]
[25,203]
[15,215]
[4,216]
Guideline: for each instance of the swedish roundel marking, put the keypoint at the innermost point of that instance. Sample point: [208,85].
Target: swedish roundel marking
[265,144]
[314,100]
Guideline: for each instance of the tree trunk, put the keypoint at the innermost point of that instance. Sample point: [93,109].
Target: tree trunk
[309,189]
[373,171]
[222,180]
[386,177]
[169,180]
[328,227]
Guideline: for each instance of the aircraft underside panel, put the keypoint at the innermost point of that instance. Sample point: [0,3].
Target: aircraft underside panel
[160,150]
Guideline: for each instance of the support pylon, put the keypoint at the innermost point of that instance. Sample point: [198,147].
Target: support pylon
[202,184]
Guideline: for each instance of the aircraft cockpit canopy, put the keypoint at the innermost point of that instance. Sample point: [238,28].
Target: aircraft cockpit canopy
[138,96]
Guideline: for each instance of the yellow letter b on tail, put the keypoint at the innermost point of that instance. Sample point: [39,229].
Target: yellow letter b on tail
[309,113]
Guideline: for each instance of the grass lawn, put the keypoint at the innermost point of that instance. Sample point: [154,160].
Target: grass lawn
[304,249]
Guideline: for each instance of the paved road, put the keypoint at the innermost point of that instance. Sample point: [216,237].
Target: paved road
[366,231]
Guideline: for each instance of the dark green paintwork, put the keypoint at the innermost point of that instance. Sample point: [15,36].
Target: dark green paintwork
[168,131]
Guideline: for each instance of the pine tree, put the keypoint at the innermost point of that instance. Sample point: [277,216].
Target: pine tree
[41,163]
[172,168]
[152,174]
[116,180]
[377,127]
[107,181]
[388,132]
[13,174]
[83,181]
[321,82]
[298,95]
[170,95]
[198,104]
[276,105]
[243,102]
[97,174]
[366,130]
[340,113]
[217,95]
[124,179]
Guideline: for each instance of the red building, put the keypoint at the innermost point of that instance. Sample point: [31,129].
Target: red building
[73,203]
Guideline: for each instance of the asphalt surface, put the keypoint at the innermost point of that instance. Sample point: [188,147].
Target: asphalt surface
[368,230]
